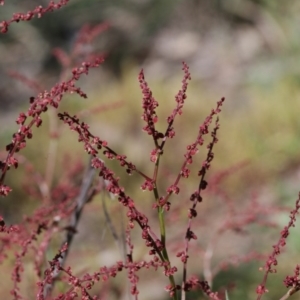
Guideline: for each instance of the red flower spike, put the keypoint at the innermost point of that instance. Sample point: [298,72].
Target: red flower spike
[272,260]
[4,190]
[38,11]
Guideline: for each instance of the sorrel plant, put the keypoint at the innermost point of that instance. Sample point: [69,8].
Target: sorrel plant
[61,205]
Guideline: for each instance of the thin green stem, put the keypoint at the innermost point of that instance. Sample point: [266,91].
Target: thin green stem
[162,227]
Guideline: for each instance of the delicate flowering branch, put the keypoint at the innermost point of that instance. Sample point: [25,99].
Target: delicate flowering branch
[292,282]
[86,35]
[193,282]
[272,260]
[191,151]
[52,98]
[61,203]
[78,53]
[51,273]
[38,105]
[149,114]
[47,218]
[93,144]
[196,197]
[40,226]
[83,198]
[150,117]
[87,281]
[39,11]
[180,98]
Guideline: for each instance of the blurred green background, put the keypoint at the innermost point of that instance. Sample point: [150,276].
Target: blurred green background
[244,50]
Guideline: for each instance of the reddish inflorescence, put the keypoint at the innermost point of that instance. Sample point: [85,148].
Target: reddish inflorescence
[39,105]
[38,12]
[62,203]
[272,262]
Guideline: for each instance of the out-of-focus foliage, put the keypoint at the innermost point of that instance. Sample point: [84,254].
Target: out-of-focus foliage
[227,43]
